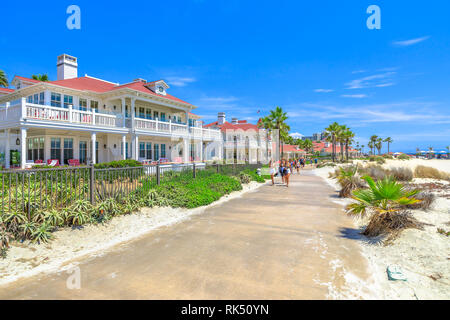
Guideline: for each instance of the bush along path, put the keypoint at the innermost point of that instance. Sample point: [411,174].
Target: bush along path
[177,190]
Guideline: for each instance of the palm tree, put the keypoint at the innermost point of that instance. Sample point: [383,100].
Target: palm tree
[448,151]
[373,140]
[331,134]
[266,124]
[341,140]
[3,79]
[40,77]
[278,118]
[348,136]
[362,148]
[430,153]
[383,196]
[307,145]
[389,141]
[379,145]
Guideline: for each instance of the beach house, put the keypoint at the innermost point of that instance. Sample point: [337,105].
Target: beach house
[88,120]
[243,141]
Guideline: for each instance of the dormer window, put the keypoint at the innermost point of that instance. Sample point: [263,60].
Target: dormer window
[158,87]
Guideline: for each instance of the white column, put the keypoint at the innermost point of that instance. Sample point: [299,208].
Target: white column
[70,112]
[124,143]
[93,149]
[24,108]
[135,148]
[133,113]
[7,149]
[47,97]
[123,114]
[23,147]
[201,151]
[185,150]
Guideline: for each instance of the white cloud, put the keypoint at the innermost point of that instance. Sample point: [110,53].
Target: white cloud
[324,90]
[220,99]
[180,81]
[356,96]
[358,71]
[296,135]
[410,42]
[370,81]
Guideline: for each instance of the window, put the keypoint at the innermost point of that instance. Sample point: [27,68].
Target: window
[37,98]
[149,151]
[96,152]
[156,146]
[68,100]
[83,152]
[163,116]
[83,104]
[141,149]
[142,113]
[163,150]
[55,100]
[68,149]
[42,98]
[148,114]
[55,149]
[94,105]
[155,114]
[36,148]
[126,149]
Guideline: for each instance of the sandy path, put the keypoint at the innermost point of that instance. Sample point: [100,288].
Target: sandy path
[276,243]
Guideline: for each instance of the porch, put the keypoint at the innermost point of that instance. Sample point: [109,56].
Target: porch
[70,147]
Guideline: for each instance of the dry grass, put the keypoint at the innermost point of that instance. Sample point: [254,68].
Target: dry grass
[426,200]
[431,173]
[375,171]
[391,224]
[348,185]
[402,174]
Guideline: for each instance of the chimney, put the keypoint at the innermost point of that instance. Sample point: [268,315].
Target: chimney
[67,67]
[221,117]
[234,120]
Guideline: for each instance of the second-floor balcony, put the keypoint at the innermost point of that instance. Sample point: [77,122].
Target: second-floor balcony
[24,111]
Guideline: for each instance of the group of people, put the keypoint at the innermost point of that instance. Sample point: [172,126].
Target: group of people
[285,169]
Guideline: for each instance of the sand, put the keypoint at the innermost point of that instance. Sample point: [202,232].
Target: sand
[423,255]
[28,259]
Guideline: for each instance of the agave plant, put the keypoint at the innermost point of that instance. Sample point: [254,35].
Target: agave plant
[13,219]
[42,233]
[80,212]
[54,218]
[348,180]
[383,196]
[28,229]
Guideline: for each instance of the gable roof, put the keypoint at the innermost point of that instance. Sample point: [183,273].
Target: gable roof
[6,90]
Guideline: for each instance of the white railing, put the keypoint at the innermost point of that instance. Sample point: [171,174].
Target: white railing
[211,134]
[39,112]
[48,113]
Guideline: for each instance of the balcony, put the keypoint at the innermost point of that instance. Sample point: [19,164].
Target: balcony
[52,116]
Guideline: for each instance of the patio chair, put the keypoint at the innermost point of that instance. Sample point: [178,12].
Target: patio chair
[74,162]
[53,162]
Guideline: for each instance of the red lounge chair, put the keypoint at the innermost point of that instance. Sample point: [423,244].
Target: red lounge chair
[39,161]
[53,162]
[74,162]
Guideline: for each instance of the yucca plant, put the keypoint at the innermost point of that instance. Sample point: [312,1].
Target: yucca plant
[80,212]
[383,196]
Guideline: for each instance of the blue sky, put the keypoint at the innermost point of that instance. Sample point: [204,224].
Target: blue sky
[315,59]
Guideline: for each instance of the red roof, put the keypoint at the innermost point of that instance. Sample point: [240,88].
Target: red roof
[101,86]
[7,90]
[27,79]
[291,148]
[97,85]
[241,125]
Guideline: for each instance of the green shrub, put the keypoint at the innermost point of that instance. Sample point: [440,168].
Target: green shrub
[192,193]
[403,157]
[377,159]
[118,164]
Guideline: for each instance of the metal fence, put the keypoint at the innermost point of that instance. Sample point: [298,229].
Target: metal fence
[41,189]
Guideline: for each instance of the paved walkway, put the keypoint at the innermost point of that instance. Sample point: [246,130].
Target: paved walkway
[275,243]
